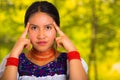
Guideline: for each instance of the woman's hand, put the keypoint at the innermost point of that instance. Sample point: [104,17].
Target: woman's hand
[63,40]
[20,44]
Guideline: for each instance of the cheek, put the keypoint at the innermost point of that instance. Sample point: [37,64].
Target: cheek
[52,35]
[31,36]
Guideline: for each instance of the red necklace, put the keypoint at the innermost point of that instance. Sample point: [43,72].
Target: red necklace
[42,56]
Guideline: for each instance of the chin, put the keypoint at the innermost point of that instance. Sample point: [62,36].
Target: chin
[42,49]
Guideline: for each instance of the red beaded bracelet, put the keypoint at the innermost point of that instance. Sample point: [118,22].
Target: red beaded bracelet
[12,61]
[73,55]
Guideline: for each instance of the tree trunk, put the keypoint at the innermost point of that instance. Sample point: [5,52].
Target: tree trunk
[92,56]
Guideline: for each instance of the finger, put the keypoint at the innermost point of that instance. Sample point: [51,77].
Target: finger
[58,44]
[58,29]
[26,31]
[28,47]
[58,41]
[27,44]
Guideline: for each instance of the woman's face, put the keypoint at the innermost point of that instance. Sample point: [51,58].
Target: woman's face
[41,31]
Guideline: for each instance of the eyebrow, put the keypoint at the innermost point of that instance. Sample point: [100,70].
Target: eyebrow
[48,24]
[34,25]
[38,26]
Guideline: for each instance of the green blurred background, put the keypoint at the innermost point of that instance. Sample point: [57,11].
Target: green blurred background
[92,25]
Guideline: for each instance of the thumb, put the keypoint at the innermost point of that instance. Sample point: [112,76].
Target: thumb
[59,44]
[28,45]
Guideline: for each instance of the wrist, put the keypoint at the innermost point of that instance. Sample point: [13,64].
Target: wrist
[73,55]
[12,61]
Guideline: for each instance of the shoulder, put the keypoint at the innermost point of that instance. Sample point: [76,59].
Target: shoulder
[62,56]
[22,55]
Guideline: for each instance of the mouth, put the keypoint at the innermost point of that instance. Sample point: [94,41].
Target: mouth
[42,43]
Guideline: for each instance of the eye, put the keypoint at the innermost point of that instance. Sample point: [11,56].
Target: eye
[33,27]
[48,27]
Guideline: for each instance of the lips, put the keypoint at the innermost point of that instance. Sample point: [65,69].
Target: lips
[42,43]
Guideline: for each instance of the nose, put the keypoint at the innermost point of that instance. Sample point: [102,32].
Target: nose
[41,34]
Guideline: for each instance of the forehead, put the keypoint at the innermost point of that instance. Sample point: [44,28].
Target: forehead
[40,18]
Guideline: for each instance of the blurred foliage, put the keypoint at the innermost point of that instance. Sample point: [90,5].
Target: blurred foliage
[76,22]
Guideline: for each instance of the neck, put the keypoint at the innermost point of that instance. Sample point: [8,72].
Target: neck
[42,55]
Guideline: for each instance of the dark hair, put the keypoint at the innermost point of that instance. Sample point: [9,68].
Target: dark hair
[42,6]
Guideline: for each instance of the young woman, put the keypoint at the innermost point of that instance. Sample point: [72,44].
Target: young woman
[43,61]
